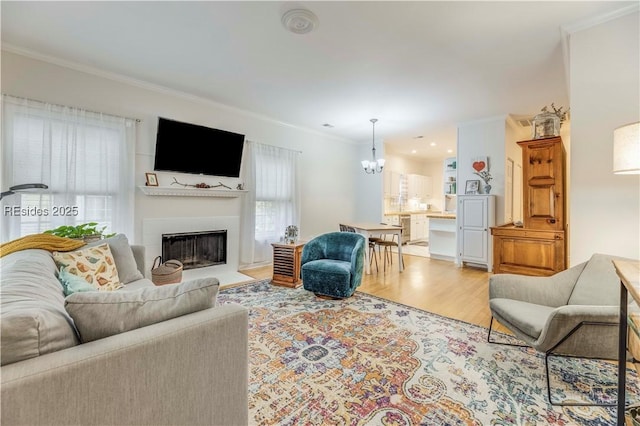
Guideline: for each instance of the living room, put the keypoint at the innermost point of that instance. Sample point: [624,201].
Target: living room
[602,83]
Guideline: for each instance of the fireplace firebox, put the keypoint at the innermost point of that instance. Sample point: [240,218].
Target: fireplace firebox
[196,249]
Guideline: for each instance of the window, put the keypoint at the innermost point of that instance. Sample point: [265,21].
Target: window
[85,158]
[272,172]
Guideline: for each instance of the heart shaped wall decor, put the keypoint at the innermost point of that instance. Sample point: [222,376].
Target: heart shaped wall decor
[479,165]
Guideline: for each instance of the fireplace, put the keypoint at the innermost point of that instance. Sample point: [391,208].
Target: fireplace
[196,249]
[154,228]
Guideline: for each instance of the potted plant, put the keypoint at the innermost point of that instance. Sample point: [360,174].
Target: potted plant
[86,231]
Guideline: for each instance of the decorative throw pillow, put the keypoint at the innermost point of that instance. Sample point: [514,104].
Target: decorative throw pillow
[101,314]
[72,283]
[123,256]
[94,264]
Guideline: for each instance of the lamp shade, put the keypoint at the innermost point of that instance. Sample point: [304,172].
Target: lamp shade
[626,149]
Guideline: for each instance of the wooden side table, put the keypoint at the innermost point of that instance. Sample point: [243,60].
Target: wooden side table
[286,264]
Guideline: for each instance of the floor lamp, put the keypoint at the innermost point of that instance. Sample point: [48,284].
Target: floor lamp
[23,187]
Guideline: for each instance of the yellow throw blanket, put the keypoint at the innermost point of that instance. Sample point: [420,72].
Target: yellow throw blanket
[40,241]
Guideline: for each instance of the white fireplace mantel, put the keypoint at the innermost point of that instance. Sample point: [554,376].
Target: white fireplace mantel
[192,192]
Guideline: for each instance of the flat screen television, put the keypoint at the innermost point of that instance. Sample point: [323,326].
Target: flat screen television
[191,148]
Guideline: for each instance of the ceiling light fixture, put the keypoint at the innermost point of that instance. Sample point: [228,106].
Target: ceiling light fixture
[373,166]
[299,21]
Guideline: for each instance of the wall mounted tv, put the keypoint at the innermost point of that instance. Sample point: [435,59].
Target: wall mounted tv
[191,148]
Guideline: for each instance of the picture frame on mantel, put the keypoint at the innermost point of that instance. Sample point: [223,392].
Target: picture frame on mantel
[152,179]
[472,187]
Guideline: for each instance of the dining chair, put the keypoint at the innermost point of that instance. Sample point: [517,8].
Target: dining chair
[373,244]
[388,244]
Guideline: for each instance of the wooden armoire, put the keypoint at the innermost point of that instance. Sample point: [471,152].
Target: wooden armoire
[539,247]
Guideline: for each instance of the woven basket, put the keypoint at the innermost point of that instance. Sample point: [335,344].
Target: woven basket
[169,272]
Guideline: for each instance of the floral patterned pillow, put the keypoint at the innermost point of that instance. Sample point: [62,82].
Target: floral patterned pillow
[94,264]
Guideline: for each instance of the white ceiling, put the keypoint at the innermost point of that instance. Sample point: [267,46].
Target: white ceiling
[420,67]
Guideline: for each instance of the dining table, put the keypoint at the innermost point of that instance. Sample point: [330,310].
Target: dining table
[371,229]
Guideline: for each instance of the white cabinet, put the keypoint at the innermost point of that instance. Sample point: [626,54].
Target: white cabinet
[419,227]
[391,184]
[475,217]
[419,186]
[391,219]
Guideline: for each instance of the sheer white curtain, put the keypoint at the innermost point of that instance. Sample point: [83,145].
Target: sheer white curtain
[272,203]
[86,159]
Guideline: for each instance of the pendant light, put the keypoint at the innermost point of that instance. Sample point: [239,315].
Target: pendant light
[373,166]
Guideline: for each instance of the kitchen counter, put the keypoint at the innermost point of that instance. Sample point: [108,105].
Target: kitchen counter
[430,213]
[441,215]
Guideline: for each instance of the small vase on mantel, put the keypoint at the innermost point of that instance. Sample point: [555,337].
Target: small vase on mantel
[487,188]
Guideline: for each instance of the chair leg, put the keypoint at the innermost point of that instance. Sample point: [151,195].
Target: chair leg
[550,353]
[372,257]
[501,343]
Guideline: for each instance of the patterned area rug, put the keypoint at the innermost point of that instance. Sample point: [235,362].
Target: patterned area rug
[370,361]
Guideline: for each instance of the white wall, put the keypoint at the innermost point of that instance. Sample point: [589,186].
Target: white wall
[330,192]
[483,138]
[605,94]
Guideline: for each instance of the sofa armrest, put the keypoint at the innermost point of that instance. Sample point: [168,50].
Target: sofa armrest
[191,369]
[138,254]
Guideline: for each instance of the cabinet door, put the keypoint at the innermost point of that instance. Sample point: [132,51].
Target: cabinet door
[391,183]
[474,232]
[474,245]
[427,187]
[543,179]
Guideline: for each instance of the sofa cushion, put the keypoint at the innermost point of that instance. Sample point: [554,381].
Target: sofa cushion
[123,256]
[95,264]
[528,318]
[102,314]
[33,319]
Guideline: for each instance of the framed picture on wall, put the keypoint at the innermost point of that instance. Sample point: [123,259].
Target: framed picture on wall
[480,164]
[472,187]
[152,179]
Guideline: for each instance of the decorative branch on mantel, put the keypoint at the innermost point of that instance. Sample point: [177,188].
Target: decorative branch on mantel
[200,185]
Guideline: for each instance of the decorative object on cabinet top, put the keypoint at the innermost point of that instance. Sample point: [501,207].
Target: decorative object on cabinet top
[547,124]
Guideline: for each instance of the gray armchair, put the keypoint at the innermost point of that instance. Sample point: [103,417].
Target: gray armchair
[574,312]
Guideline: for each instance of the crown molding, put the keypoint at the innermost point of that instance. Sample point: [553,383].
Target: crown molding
[600,19]
[120,78]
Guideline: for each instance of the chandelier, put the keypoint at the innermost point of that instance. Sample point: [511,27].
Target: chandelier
[373,166]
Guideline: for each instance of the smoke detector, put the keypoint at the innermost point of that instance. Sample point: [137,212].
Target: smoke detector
[299,21]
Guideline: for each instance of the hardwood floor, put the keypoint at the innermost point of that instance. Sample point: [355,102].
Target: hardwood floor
[436,286]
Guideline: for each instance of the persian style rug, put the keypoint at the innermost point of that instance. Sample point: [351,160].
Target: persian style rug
[370,361]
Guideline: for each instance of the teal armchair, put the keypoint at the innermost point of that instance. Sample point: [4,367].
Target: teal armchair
[332,264]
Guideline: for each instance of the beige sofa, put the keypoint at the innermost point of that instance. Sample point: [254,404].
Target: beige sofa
[191,369]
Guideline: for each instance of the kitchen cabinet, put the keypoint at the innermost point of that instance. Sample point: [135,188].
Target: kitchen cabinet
[475,216]
[419,186]
[391,184]
[419,227]
[392,219]
[539,247]
[442,238]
